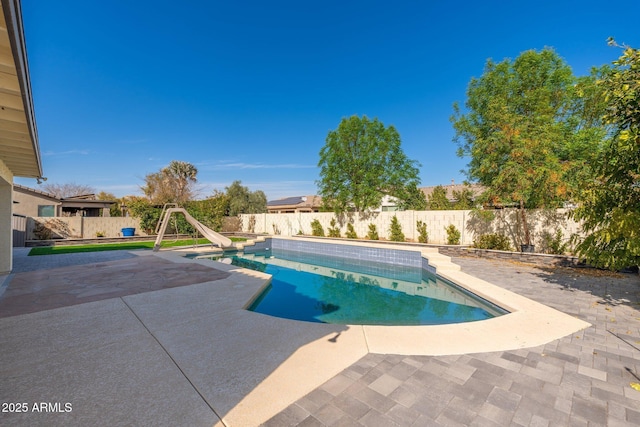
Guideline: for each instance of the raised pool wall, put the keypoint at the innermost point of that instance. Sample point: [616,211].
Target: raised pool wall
[428,260]
[356,252]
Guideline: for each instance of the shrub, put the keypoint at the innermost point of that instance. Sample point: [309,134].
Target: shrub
[147,213]
[316,228]
[423,236]
[210,211]
[554,243]
[373,232]
[453,235]
[351,232]
[334,231]
[492,241]
[276,229]
[396,234]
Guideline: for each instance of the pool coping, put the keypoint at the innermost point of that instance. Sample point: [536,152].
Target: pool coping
[527,325]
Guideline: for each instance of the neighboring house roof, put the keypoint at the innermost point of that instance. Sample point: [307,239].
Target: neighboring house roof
[90,196]
[81,201]
[476,190]
[286,201]
[85,198]
[23,189]
[298,202]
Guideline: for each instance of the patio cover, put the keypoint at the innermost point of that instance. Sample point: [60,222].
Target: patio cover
[19,150]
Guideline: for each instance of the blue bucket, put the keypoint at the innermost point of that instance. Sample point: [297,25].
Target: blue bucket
[128,232]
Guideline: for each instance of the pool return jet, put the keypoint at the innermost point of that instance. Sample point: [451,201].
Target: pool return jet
[207,233]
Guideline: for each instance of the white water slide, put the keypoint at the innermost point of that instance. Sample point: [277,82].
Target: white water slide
[207,233]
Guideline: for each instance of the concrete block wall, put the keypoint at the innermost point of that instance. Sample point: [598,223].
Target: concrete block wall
[506,222]
[78,227]
[290,224]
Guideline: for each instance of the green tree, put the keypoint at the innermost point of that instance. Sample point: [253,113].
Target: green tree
[423,235]
[516,123]
[438,200]
[453,235]
[114,209]
[416,200]
[361,162]
[610,205]
[210,211]
[334,230]
[316,228]
[351,231]
[172,184]
[585,141]
[463,199]
[143,209]
[182,178]
[244,201]
[395,231]
[373,232]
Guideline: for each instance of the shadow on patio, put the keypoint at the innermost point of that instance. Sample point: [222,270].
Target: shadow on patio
[186,354]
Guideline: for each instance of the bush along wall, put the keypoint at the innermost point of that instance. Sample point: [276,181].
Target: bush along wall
[434,223]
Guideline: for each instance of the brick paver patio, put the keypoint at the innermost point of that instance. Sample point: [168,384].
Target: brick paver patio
[580,380]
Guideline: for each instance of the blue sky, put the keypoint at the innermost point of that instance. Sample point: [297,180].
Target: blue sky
[248,90]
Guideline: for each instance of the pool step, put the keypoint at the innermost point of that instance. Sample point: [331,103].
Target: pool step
[252,242]
[440,262]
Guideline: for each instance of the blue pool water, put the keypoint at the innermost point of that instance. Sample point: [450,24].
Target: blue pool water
[329,290]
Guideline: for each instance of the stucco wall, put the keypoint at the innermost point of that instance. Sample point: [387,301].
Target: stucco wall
[6,228]
[28,203]
[80,227]
[506,222]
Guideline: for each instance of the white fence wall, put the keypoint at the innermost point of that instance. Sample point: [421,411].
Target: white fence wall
[506,222]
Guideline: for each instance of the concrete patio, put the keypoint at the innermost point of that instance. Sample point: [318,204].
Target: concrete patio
[130,339]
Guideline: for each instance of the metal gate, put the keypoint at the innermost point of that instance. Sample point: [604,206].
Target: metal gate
[19,225]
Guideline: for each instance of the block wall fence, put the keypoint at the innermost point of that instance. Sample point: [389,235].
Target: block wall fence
[78,227]
[470,225]
[506,222]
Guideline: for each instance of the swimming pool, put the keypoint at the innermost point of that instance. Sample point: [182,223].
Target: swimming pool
[327,288]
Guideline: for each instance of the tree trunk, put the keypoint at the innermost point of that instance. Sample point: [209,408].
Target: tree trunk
[525,226]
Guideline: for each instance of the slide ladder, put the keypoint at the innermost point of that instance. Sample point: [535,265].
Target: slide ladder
[162,218]
[207,233]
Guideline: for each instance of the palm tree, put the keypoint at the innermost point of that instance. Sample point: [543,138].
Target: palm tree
[181,176]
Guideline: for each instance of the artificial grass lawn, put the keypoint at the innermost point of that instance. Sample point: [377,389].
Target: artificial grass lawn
[99,247]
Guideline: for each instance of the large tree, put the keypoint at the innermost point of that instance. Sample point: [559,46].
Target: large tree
[464,199]
[361,162]
[244,201]
[115,209]
[172,184]
[519,116]
[438,200]
[610,205]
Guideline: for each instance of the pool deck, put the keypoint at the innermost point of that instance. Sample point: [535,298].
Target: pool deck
[129,339]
